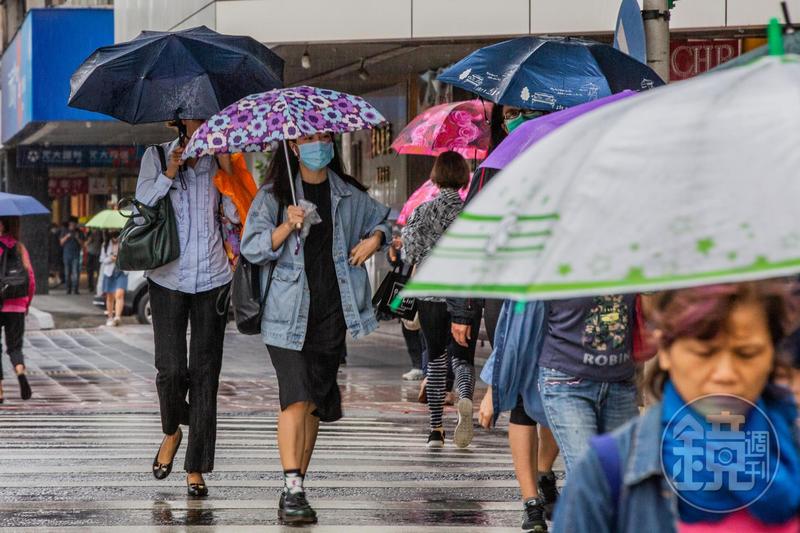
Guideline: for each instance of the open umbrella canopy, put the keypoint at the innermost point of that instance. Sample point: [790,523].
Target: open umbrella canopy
[462,127]
[549,73]
[532,131]
[425,193]
[691,184]
[256,122]
[194,72]
[107,219]
[17,205]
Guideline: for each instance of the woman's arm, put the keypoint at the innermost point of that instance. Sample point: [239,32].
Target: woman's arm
[263,241]
[154,182]
[26,263]
[105,257]
[585,504]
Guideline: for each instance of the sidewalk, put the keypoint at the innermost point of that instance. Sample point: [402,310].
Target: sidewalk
[65,311]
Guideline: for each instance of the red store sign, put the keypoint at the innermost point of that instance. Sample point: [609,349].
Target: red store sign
[58,187]
[688,58]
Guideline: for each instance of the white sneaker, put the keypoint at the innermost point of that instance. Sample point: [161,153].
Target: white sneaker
[115,322]
[415,374]
[462,436]
[110,322]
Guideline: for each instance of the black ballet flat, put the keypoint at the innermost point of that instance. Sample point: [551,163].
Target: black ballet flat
[197,490]
[161,471]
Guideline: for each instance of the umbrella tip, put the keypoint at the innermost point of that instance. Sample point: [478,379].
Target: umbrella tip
[775,37]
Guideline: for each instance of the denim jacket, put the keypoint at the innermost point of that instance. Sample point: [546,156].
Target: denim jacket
[355,216]
[512,370]
[646,501]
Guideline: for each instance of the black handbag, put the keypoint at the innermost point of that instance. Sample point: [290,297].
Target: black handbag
[246,298]
[153,243]
[14,281]
[389,288]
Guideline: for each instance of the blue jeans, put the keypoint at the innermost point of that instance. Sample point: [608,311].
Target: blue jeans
[578,408]
[72,272]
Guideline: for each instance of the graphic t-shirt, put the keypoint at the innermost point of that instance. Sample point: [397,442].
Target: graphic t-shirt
[591,338]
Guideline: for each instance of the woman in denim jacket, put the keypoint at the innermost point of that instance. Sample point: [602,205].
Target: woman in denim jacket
[319,291]
[672,469]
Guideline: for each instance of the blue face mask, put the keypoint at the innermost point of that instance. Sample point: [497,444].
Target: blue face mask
[316,155]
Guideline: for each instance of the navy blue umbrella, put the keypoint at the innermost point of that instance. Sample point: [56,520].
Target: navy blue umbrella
[16,205]
[193,73]
[549,73]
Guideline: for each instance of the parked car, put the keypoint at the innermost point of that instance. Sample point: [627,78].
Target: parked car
[137,299]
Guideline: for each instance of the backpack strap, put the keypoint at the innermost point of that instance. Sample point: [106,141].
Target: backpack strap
[607,450]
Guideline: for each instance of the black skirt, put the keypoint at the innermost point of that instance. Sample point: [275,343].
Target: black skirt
[309,375]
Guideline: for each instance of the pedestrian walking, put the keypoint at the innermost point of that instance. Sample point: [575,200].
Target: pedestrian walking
[56,256]
[115,281]
[94,245]
[425,226]
[318,291]
[72,240]
[191,291]
[718,351]
[13,311]
[465,311]
[415,342]
[511,373]
[586,375]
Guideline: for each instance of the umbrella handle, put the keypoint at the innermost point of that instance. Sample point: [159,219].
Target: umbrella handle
[294,195]
[289,171]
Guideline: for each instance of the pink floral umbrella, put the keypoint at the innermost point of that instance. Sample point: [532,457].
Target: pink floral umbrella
[426,192]
[462,127]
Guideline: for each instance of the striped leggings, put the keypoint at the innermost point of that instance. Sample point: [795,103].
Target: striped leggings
[435,322]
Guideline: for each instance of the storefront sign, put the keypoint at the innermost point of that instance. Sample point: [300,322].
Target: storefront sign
[101,186]
[79,156]
[38,62]
[58,187]
[688,58]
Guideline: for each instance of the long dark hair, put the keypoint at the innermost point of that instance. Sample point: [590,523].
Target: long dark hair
[278,177]
[11,226]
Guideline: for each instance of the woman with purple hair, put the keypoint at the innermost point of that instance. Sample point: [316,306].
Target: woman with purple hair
[720,451]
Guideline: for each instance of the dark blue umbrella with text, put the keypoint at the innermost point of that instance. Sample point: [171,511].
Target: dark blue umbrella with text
[193,73]
[549,73]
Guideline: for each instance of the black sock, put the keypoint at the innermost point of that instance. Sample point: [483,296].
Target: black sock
[292,481]
[546,475]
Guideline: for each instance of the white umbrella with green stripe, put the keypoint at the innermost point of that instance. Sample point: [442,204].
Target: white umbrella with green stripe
[685,185]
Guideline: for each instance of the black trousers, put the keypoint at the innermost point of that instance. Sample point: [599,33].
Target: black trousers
[435,321]
[13,325]
[197,375]
[413,340]
[92,270]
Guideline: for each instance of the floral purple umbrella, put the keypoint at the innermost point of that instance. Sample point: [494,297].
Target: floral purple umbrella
[256,122]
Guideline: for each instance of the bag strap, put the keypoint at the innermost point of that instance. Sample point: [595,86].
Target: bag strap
[4,262]
[162,156]
[272,263]
[607,450]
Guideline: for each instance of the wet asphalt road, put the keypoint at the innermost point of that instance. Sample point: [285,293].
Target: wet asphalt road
[78,454]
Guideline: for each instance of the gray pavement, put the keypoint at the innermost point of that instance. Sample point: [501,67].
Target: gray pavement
[77,455]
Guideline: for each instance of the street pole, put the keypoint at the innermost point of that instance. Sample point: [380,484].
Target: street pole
[656,31]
